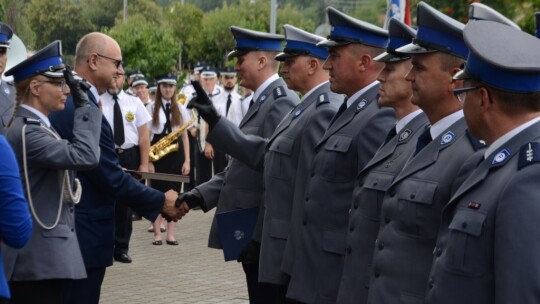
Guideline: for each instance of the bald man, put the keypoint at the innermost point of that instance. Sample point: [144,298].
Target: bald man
[98,60]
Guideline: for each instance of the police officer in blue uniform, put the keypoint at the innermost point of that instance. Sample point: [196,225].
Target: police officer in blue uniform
[375,178]
[349,143]
[412,205]
[7,91]
[488,244]
[241,186]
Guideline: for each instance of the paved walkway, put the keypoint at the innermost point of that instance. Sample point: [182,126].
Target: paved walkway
[188,273]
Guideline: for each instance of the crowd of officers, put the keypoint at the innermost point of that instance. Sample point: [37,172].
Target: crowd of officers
[404,172]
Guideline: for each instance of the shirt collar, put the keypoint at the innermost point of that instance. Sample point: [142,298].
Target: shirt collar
[41,116]
[506,137]
[264,85]
[444,123]
[355,96]
[405,120]
[312,90]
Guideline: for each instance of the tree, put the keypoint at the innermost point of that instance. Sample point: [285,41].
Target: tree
[57,20]
[146,45]
[185,22]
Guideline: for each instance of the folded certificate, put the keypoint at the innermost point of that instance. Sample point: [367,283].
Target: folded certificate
[235,230]
[158,176]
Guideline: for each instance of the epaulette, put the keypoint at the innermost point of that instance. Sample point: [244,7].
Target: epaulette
[32,121]
[322,99]
[475,142]
[528,154]
[279,92]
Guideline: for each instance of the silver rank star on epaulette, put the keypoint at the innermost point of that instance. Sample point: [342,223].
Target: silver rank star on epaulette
[32,121]
[323,98]
[279,92]
[528,154]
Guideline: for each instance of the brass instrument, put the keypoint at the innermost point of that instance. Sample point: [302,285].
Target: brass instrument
[182,98]
[168,143]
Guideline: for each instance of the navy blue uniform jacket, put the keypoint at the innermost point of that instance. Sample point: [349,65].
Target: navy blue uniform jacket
[102,186]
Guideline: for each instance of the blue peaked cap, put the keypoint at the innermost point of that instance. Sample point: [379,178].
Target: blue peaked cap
[300,42]
[168,78]
[346,29]
[47,61]
[250,40]
[436,33]
[480,11]
[5,35]
[400,35]
[499,59]
[537,24]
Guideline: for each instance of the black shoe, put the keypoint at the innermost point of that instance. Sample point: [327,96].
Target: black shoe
[174,243]
[122,258]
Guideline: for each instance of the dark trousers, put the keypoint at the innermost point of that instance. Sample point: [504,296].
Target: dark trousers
[43,291]
[204,168]
[85,291]
[262,293]
[129,159]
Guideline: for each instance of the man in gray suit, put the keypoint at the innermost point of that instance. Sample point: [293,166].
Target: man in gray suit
[352,138]
[241,186]
[412,205]
[287,156]
[488,244]
[378,174]
[7,91]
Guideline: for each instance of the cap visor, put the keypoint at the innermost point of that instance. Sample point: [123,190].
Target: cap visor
[330,43]
[167,82]
[389,57]
[461,75]
[236,53]
[414,49]
[281,56]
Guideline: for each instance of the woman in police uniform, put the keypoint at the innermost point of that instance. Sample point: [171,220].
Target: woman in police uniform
[168,115]
[52,256]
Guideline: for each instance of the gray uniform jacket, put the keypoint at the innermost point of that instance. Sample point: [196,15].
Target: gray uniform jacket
[488,244]
[364,218]
[411,215]
[348,145]
[54,253]
[240,186]
[7,102]
[287,160]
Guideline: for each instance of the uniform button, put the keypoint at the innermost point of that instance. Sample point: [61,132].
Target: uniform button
[387,220]
[374,183]
[277,147]
[85,118]
[349,249]
[392,192]
[412,196]
[377,273]
[307,198]
[431,282]
[304,222]
[351,229]
[72,229]
[380,245]
[71,210]
[335,146]
[438,251]
[464,225]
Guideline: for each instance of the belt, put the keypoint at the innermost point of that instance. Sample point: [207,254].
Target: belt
[121,151]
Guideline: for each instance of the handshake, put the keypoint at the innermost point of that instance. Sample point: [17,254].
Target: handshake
[176,206]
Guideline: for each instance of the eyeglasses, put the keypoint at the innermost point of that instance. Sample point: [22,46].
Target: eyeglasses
[59,83]
[460,93]
[116,62]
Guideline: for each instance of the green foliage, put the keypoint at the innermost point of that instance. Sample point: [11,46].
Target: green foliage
[57,19]
[146,45]
[102,12]
[184,20]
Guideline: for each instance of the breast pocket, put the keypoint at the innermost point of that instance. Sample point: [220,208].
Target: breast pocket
[279,158]
[338,164]
[418,216]
[467,253]
[375,185]
[254,130]
[60,231]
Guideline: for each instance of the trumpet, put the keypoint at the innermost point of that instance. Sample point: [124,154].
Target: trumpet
[169,143]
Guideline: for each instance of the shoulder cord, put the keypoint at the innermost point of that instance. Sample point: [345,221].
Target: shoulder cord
[67,191]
